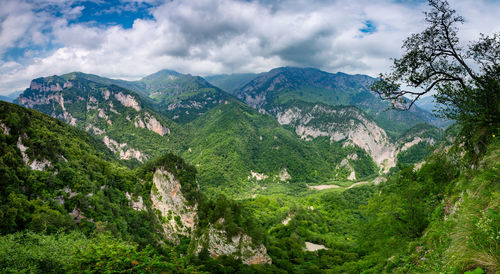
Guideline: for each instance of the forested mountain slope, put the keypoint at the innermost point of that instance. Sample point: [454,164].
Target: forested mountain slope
[120,118]
[282,85]
[233,144]
[352,127]
[236,149]
[441,217]
[60,185]
[56,177]
[180,97]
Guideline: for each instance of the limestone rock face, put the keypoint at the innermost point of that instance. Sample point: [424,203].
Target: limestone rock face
[44,87]
[179,217]
[348,125]
[126,152]
[5,129]
[40,99]
[176,215]
[257,176]
[240,246]
[150,122]
[128,101]
[136,203]
[34,164]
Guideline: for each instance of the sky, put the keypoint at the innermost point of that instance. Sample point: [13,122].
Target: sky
[129,39]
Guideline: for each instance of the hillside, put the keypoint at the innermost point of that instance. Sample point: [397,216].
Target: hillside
[352,127]
[63,188]
[237,149]
[295,212]
[440,217]
[120,118]
[179,97]
[283,85]
[58,178]
[258,146]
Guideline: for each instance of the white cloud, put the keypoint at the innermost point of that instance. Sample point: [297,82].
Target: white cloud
[223,36]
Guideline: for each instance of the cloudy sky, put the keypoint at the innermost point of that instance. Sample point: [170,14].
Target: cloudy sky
[129,39]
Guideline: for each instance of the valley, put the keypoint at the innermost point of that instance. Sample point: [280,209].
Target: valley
[226,140]
[249,137]
[286,167]
[264,182]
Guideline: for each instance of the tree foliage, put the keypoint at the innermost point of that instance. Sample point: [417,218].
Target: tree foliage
[466,80]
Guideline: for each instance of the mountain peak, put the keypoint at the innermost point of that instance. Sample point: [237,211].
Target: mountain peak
[164,73]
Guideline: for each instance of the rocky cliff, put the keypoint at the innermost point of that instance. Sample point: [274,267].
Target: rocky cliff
[239,246]
[348,125]
[111,113]
[179,217]
[176,215]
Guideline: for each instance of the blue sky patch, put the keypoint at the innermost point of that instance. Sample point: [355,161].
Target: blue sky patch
[369,27]
[105,13]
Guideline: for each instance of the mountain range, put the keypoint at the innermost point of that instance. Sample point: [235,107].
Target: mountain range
[266,131]
[291,170]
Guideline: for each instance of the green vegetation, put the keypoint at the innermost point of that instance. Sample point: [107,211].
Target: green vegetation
[232,140]
[466,79]
[76,253]
[281,86]
[329,218]
[97,110]
[81,178]
[70,204]
[431,220]
[216,133]
[79,203]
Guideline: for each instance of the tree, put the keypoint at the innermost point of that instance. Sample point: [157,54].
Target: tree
[466,80]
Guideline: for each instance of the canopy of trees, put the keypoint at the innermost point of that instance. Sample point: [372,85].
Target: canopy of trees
[466,80]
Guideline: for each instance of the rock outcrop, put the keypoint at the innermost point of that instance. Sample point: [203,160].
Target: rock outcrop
[150,122]
[34,164]
[179,217]
[175,213]
[240,246]
[125,151]
[5,129]
[348,125]
[341,124]
[128,100]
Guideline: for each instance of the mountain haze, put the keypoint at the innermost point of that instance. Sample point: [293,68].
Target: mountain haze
[231,82]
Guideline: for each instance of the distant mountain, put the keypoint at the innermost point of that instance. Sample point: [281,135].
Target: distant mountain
[282,85]
[6,99]
[350,126]
[122,119]
[427,103]
[180,97]
[10,97]
[231,82]
[234,146]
